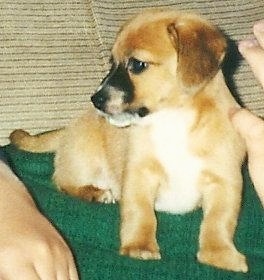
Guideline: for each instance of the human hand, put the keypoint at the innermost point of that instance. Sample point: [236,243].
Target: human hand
[30,247]
[35,252]
[251,128]
[247,124]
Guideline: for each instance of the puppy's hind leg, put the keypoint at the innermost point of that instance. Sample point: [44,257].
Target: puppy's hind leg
[40,143]
[221,204]
[83,171]
[91,193]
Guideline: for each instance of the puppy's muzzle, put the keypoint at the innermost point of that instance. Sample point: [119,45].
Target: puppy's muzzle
[115,96]
[115,91]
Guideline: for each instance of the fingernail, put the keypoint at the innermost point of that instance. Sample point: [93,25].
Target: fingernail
[259,26]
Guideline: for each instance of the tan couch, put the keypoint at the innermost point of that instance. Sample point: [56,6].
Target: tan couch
[53,54]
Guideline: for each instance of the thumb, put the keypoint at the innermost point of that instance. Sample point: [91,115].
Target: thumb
[249,126]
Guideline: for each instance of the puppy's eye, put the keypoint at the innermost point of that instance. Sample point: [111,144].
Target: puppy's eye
[136,66]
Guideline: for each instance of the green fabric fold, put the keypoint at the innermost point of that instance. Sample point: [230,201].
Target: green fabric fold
[92,231]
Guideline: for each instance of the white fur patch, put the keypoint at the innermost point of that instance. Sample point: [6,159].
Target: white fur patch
[123,119]
[169,134]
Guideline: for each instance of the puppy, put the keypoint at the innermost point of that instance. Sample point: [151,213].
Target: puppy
[158,137]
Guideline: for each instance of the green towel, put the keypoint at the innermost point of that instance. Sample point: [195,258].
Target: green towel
[91,230]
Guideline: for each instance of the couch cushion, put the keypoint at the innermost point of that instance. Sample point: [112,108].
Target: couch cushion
[54,54]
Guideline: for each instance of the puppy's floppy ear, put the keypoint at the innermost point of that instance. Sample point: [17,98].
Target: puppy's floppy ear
[200,48]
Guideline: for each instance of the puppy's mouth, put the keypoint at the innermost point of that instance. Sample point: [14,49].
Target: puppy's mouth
[125,118]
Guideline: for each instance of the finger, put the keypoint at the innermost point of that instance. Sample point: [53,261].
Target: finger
[59,265]
[259,32]
[251,128]
[72,269]
[66,265]
[254,54]
[62,270]
[68,269]
[69,266]
[45,269]
[69,272]
[247,124]
[21,272]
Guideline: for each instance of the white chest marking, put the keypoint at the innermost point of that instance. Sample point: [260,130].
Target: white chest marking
[169,135]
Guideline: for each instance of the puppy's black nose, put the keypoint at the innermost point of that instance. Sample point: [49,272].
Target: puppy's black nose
[99,100]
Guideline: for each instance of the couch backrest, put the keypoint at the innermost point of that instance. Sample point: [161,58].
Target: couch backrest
[53,54]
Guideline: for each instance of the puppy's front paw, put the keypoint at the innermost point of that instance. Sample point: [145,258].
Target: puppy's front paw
[143,252]
[225,258]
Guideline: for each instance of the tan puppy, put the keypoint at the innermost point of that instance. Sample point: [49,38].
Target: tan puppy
[162,139]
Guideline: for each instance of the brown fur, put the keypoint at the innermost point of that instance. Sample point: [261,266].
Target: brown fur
[96,160]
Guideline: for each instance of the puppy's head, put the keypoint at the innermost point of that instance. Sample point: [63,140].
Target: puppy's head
[159,60]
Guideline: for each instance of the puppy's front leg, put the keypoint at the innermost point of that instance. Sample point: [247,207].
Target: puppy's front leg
[138,221]
[221,204]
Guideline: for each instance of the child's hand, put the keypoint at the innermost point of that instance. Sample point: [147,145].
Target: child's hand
[253,51]
[30,247]
[251,129]
[247,124]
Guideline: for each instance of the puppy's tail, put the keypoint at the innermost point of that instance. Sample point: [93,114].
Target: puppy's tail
[40,143]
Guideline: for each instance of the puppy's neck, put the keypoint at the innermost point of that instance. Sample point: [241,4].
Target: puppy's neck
[167,116]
